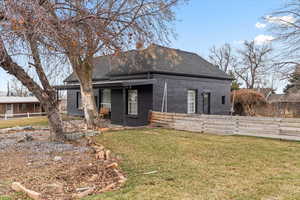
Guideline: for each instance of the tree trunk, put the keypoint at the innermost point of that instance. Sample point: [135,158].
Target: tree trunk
[84,73]
[46,97]
[55,122]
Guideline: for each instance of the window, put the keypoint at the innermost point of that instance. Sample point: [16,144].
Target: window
[96,101]
[22,107]
[206,103]
[106,98]
[79,101]
[132,102]
[191,101]
[223,99]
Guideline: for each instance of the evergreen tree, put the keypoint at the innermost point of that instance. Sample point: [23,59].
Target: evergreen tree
[235,85]
[294,81]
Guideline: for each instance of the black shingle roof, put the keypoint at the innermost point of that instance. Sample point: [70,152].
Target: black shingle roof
[154,59]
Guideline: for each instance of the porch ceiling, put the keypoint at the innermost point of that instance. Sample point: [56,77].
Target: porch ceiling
[117,83]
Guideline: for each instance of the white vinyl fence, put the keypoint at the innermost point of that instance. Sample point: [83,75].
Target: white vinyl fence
[21,115]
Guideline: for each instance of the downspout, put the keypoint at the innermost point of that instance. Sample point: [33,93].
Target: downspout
[164,106]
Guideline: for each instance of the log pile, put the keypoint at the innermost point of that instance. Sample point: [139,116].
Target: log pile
[101,155]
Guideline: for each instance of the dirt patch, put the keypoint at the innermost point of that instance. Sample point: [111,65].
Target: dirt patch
[57,170]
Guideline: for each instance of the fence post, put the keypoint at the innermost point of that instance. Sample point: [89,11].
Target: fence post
[203,125]
[173,120]
[5,116]
[236,126]
[27,115]
[279,126]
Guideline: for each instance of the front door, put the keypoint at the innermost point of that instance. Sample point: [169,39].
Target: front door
[206,103]
[9,109]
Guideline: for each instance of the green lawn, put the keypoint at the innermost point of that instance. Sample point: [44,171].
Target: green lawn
[193,166]
[197,166]
[32,121]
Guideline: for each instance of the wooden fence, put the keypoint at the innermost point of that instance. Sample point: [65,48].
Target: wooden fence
[235,125]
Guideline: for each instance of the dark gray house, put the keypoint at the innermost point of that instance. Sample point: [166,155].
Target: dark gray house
[156,78]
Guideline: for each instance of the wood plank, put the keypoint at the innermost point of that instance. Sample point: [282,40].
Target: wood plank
[242,130]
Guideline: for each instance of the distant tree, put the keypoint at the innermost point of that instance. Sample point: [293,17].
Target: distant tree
[235,85]
[223,57]
[16,88]
[254,63]
[294,81]
[284,24]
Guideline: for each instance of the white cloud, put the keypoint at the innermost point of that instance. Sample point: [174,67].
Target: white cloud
[281,20]
[260,25]
[239,42]
[263,39]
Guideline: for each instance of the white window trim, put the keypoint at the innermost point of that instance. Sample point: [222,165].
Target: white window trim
[191,103]
[106,98]
[131,103]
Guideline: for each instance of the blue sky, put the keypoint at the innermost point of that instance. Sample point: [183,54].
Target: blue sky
[204,23]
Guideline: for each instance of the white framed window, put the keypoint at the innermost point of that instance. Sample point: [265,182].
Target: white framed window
[132,102]
[191,101]
[106,98]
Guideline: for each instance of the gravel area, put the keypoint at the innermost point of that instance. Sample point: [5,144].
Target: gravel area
[28,157]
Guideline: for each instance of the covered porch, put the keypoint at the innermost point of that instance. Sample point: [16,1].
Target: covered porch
[124,102]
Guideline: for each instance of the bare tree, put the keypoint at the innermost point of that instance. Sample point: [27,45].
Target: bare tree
[17,89]
[223,57]
[254,64]
[20,36]
[82,29]
[284,24]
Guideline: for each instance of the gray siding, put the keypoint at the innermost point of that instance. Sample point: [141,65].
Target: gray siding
[144,106]
[150,98]
[72,102]
[177,93]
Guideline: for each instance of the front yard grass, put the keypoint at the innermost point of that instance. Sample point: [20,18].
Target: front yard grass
[32,121]
[188,166]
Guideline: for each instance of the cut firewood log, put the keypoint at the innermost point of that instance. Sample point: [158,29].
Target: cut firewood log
[108,187]
[112,165]
[98,148]
[83,194]
[107,154]
[18,187]
[94,178]
[122,178]
[100,155]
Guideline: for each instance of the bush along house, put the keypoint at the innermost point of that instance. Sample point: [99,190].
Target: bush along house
[156,78]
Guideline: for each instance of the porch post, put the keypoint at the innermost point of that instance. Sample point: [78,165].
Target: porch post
[124,106]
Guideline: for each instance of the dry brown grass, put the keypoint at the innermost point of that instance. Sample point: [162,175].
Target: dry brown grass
[32,121]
